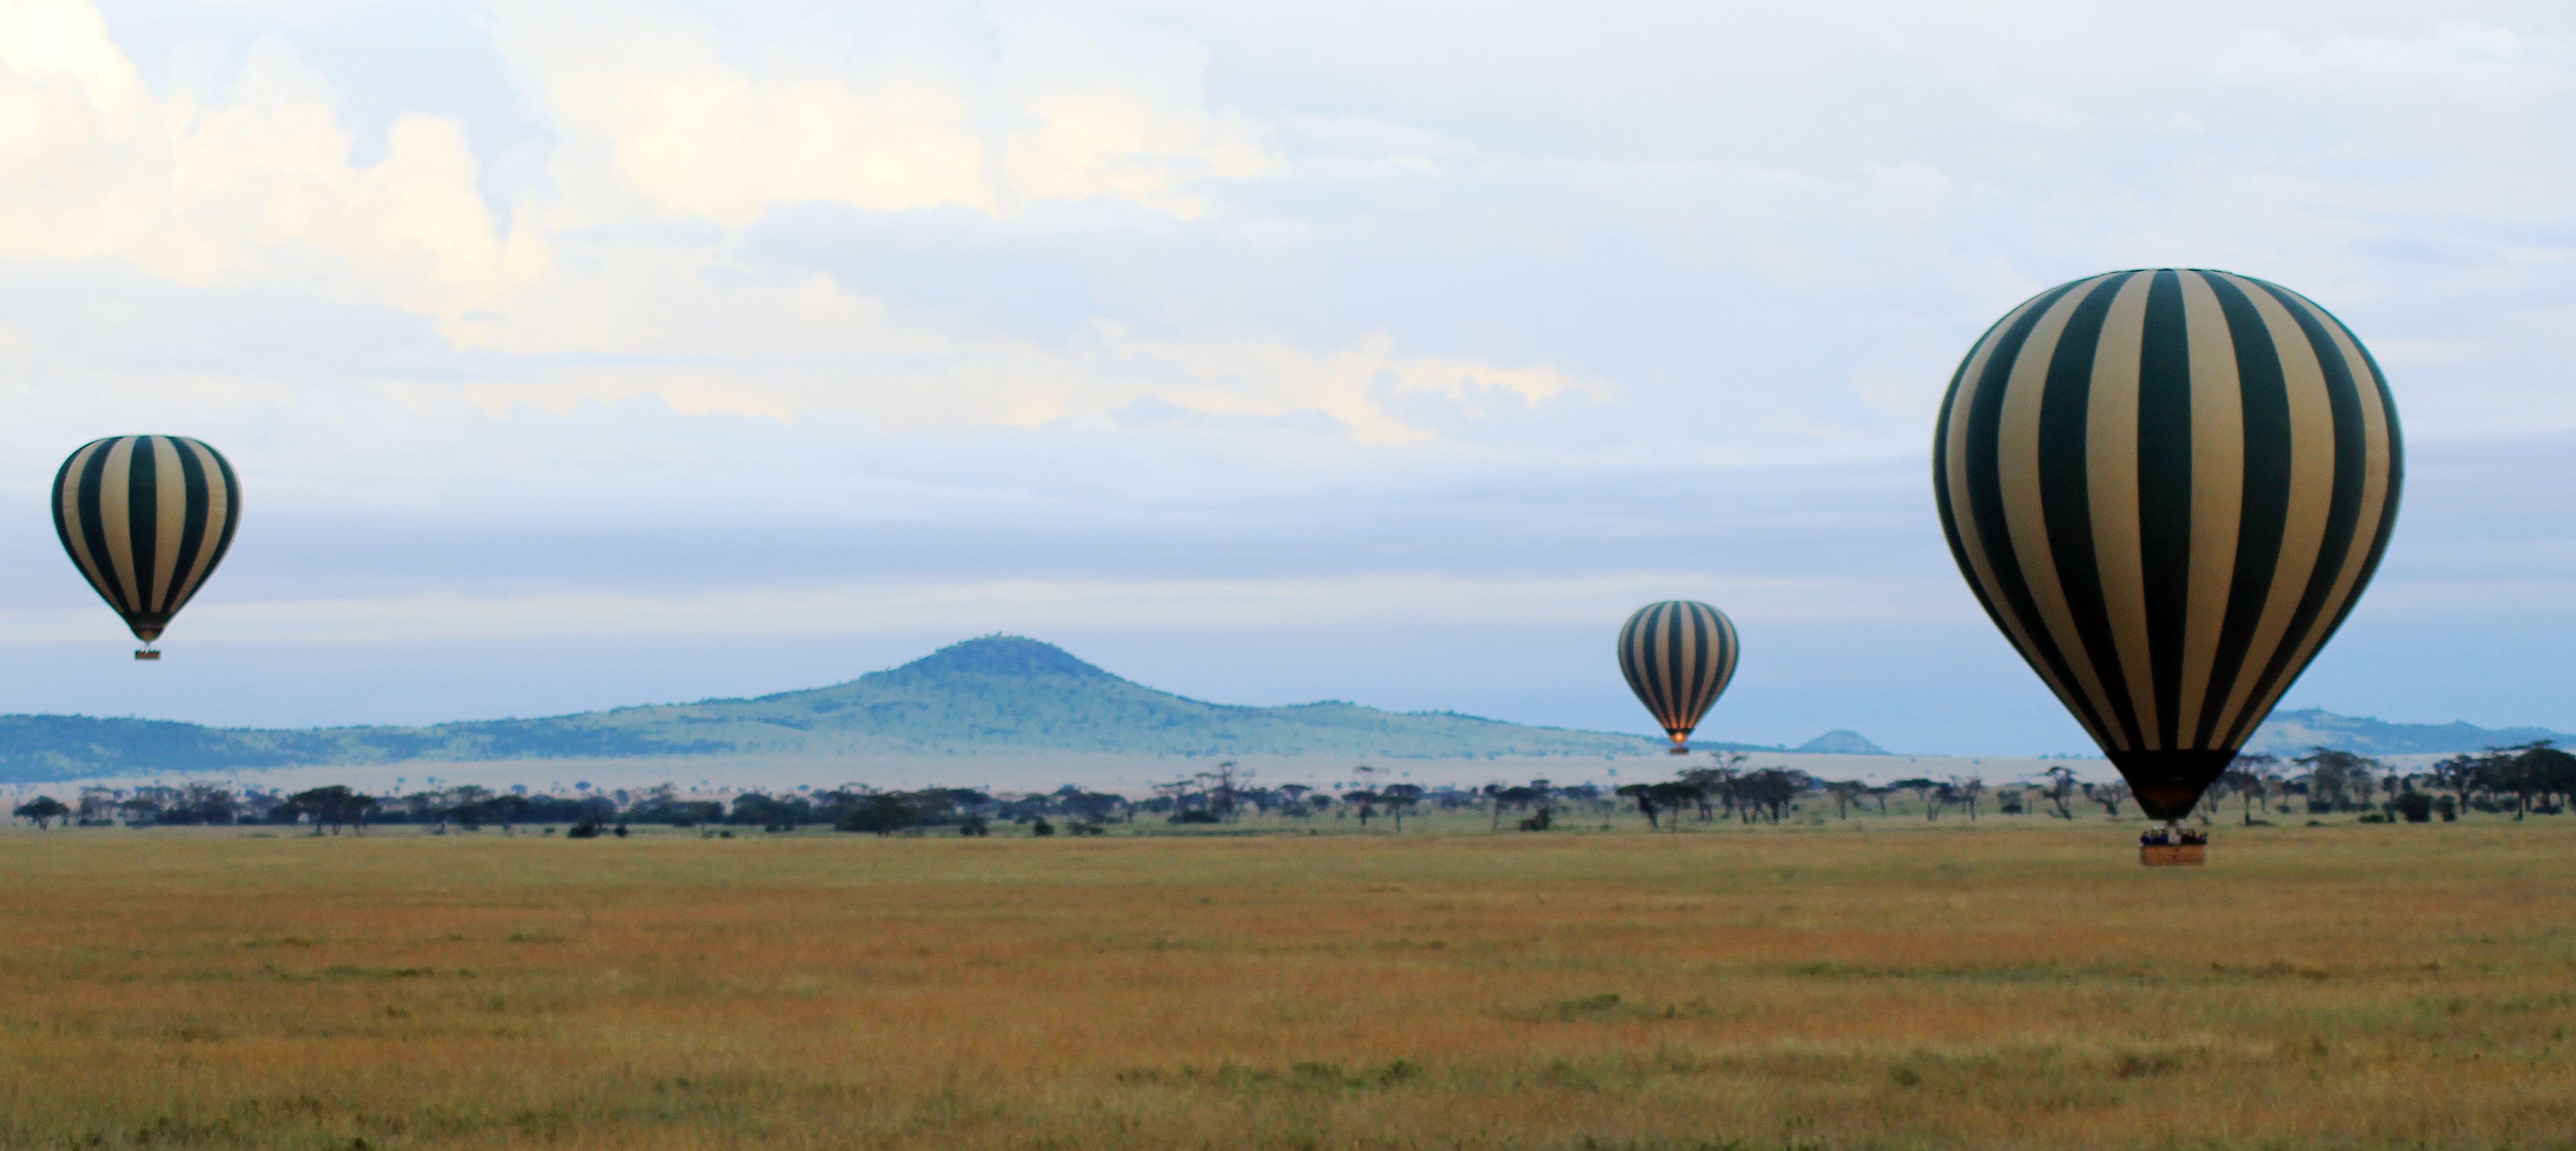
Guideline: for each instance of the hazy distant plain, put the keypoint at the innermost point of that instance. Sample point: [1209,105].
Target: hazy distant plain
[1046,771]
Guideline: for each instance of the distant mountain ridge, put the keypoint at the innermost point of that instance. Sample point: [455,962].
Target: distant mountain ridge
[2294,732]
[1841,741]
[996,694]
[993,694]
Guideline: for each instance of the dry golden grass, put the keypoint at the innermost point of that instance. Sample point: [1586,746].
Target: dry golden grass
[2024,987]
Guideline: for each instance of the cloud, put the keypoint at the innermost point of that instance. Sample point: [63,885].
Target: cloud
[1365,388]
[1123,300]
[1121,116]
[255,186]
[655,119]
[652,120]
[972,606]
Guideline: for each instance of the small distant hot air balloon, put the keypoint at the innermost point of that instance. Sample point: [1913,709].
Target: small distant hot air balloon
[146,519]
[2168,488]
[1678,656]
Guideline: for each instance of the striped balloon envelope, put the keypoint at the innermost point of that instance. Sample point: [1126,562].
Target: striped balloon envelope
[146,519]
[2168,488]
[1678,656]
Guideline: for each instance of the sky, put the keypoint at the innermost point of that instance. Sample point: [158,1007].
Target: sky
[575,355]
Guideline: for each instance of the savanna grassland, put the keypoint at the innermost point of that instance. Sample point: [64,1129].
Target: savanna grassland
[2022,986]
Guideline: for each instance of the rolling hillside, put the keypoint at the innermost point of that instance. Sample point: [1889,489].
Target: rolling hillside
[995,694]
[2294,732]
[998,694]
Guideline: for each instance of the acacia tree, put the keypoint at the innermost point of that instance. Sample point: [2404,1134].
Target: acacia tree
[43,809]
[2109,795]
[510,811]
[880,813]
[1846,793]
[1672,796]
[2335,776]
[2461,774]
[330,808]
[96,805]
[199,803]
[1224,788]
[2265,768]
[1649,801]
[2540,768]
[427,807]
[141,808]
[2251,777]
[1178,795]
[1969,789]
[2247,787]
[1922,789]
[1767,794]
[1399,799]
[1719,786]
[1365,802]
[2059,790]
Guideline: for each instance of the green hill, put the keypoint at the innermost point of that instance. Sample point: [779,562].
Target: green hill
[2294,732]
[1841,741]
[995,694]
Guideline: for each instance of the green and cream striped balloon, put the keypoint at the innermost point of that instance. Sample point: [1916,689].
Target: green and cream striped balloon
[146,519]
[2168,487]
[1678,656]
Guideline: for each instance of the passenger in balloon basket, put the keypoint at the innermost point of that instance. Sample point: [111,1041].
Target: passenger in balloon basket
[2172,835]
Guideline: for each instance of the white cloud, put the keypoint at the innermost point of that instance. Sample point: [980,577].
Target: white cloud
[1119,114]
[809,348]
[993,268]
[1023,605]
[1360,386]
[651,118]
[654,117]
[256,186]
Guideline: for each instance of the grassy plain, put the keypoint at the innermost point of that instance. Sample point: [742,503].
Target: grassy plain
[2020,985]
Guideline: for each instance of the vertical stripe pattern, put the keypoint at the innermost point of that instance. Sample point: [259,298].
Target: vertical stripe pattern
[1678,656]
[2168,488]
[146,519]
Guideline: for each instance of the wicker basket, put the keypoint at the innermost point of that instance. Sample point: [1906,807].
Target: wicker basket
[2174,855]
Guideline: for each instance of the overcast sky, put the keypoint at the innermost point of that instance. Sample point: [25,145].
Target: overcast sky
[577,355]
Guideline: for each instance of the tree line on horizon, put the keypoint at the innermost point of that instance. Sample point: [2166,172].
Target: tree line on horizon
[2526,779]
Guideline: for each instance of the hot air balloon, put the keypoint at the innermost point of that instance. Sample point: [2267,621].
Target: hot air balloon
[2168,488]
[1678,656]
[146,519]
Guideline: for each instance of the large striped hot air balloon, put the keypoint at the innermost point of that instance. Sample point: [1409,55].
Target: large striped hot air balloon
[146,519]
[1678,656]
[2168,488]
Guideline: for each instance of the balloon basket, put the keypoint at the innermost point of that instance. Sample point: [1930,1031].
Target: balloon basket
[147,654]
[1677,749]
[2174,854]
